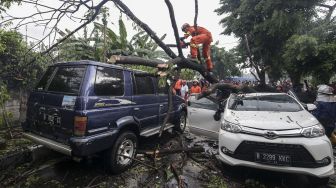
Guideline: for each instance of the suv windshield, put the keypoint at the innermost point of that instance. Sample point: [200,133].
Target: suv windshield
[280,103]
[67,79]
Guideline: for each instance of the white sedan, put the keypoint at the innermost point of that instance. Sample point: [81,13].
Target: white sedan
[200,117]
[273,131]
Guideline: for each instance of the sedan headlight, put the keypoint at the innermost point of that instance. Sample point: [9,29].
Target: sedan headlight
[230,127]
[313,131]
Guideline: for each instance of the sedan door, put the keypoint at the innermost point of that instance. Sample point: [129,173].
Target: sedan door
[200,117]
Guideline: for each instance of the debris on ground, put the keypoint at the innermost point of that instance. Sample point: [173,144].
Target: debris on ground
[171,165]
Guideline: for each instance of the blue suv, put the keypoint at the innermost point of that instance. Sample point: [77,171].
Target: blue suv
[84,108]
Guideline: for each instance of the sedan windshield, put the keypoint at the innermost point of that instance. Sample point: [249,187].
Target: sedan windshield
[280,103]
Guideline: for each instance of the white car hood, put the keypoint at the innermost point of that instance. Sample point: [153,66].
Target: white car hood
[271,120]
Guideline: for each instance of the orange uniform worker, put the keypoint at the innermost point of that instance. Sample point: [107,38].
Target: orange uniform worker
[195,88]
[201,36]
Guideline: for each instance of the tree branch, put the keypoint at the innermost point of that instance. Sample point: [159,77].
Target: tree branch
[173,23]
[97,8]
[196,15]
[145,27]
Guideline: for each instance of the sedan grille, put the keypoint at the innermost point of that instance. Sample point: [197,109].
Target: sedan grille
[300,157]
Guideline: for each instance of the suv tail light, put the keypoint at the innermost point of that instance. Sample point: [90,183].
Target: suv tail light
[80,125]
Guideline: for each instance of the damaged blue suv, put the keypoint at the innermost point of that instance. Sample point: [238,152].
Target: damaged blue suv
[84,108]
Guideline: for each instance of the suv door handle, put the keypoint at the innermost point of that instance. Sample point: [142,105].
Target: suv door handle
[136,109]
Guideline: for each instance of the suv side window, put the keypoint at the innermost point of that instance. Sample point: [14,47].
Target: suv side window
[143,85]
[109,82]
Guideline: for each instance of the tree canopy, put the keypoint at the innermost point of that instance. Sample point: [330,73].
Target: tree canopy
[270,33]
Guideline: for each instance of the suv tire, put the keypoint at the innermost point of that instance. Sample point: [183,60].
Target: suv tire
[126,144]
[181,124]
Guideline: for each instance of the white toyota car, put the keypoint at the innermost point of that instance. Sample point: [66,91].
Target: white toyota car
[273,131]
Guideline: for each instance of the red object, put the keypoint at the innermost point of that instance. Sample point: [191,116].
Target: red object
[80,125]
[195,89]
[204,37]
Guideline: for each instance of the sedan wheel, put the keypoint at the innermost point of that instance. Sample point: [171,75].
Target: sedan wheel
[182,123]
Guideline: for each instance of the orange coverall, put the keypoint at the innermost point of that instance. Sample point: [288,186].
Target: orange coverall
[203,36]
[195,89]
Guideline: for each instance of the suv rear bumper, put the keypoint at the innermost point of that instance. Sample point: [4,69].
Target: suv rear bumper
[78,146]
[62,148]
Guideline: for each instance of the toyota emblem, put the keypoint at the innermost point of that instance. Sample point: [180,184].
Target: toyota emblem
[270,135]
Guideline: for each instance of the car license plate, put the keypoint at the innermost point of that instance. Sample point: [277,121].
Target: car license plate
[271,158]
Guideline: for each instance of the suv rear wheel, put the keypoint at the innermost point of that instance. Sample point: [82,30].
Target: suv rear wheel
[118,158]
[181,124]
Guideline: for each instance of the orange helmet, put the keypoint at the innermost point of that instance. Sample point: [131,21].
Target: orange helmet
[185,26]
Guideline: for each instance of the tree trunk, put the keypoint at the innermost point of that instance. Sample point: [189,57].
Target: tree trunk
[295,77]
[262,77]
[6,120]
[23,107]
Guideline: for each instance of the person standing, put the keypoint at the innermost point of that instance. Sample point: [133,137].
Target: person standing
[326,108]
[177,86]
[205,86]
[195,88]
[184,90]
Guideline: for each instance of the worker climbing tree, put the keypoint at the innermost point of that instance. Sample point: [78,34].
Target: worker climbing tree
[199,35]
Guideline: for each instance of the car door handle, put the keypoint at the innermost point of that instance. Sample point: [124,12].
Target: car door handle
[161,105]
[136,109]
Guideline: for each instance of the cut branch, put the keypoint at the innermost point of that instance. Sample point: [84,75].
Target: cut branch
[133,60]
[171,151]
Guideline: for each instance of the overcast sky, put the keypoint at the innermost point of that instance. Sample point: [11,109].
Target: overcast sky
[152,12]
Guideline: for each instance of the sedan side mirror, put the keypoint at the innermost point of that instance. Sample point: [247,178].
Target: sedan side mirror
[217,116]
[311,107]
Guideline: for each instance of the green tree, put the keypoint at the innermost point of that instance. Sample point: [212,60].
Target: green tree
[18,69]
[226,62]
[299,54]
[311,50]
[263,27]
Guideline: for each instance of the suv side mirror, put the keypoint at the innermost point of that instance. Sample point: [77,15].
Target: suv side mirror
[311,107]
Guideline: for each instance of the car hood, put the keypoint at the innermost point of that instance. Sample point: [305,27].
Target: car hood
[271,120]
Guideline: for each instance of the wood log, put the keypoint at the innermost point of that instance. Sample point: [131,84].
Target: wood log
[133,60]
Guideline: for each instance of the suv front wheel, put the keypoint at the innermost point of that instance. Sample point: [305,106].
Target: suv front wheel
[119,157]
[181,124]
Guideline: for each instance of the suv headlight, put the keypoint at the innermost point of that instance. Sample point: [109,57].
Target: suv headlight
[313,131]
[230,127]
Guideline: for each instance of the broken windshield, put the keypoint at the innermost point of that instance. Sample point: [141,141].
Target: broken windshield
[280,103]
